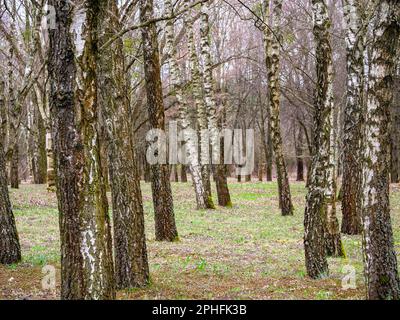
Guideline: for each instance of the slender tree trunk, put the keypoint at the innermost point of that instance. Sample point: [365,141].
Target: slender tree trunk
[220,173]
[273,65]
[86,248]
[381,272]
[161,187]
[131,265]
[319,195]
[395,147]
[190,135]
[201,113]
[10,251]
[51,175]
[353,118]
[299,155]
[211,109]
[13,120]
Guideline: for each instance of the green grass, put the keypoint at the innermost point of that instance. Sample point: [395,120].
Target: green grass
[248,251]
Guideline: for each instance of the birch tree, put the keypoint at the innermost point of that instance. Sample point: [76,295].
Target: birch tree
[210,105]
[131,265]
[201,111]
[320,197]
[190,135]
[165,226]
[380,266]
[86,248]
[351,201]
[272,39]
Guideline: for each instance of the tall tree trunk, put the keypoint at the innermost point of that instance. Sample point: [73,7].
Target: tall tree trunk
[395,147]
[201,112]
[10,251]
[190,138]
[14,113]
[86,248]
[272,46]
[379,254]
[319,187]
[131,265]
[211,109]
[161,187]
[353,118]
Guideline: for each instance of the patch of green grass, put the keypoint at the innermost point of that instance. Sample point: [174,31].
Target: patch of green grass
[248,251]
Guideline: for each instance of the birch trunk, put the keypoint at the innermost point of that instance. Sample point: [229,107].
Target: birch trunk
[210,105]
[272,47]
[190,140]
[353,118]
[131,264]
[320,187]
[86,248]
[161,187]
[379,254]
[201,113]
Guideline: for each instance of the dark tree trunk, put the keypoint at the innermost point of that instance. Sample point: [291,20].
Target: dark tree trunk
[380,266]
[395,142]
[39,160]
[14,165]
[183,173]
[165,226]
[86,247]
[10,251]
[299,156]
[131,265]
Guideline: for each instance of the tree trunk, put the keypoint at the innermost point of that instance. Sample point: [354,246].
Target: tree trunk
[131,265]
[14,114]
[353,118]
[201,114]
[165,226]
[10,251]
[395,147]
[299,156]
[189,135]
[379,254]
[273,65]
[320,186]
[51,175]
[86,247]
[183,173]
[39,160]
[211,110]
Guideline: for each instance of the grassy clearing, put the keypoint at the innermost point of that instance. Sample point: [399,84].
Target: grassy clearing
[247,252]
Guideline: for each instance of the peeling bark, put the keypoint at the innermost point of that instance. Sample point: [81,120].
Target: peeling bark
[380,266]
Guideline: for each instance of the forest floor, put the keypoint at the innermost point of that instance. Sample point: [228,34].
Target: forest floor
[247,252]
